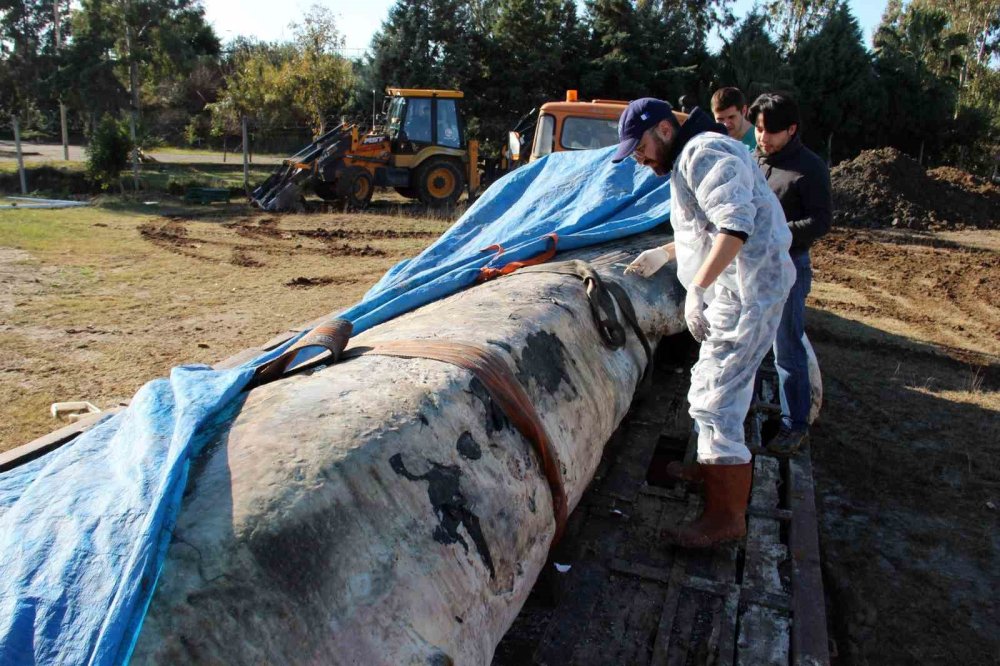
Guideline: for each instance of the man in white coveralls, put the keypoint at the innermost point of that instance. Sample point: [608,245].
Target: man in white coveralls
[731,245]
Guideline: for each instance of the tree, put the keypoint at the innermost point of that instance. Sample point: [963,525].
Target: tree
[535,47]
[107,152]
[750,60]
[424,43]
[136,53]
[27,56]
[616,66]
[794,20]
[318,79]
[838,92]
[917,67]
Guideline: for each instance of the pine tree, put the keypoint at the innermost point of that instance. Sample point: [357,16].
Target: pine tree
[750,60]
[838,96]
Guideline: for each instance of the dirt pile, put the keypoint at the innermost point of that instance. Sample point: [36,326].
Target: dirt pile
[884,187]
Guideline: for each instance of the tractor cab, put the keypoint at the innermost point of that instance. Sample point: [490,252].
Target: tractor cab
[418,118]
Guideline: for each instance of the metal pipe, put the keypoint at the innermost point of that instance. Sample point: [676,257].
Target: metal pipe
[20,156]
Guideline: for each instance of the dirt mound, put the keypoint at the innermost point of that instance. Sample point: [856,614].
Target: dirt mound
[884,187]
[965,181]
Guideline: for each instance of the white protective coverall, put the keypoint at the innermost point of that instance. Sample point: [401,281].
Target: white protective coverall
[715,184]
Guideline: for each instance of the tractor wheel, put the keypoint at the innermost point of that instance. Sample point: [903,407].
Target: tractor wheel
[408,192]
[439,182]
[356,186]
[325,191]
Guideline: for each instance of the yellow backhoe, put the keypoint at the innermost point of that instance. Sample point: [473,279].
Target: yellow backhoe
[420,150]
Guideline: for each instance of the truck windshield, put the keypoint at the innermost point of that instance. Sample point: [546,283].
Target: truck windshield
[588,133]
[544,137]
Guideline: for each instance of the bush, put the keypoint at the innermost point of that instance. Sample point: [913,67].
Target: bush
[108,152]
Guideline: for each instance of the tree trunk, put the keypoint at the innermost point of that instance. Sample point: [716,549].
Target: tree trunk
[133,79]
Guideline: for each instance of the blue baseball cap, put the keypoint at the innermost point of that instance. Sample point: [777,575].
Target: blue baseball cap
[639,116]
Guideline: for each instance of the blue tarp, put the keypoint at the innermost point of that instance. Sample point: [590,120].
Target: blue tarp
[84,529]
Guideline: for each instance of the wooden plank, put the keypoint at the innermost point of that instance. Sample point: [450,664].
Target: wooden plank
[39,447]
[810,642]
[596,544]
[696,629]
[628,472]
[763,637]
[764,550]
[668,615]
[644,543]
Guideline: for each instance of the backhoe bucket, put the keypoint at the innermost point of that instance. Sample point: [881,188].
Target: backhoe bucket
[283,190]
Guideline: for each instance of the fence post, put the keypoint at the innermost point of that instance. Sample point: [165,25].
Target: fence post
[20,156]
[246,158]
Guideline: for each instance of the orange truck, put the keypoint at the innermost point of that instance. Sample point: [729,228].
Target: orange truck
[568,125]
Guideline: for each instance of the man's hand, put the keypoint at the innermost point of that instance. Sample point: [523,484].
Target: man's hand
[652,260]
[694,312]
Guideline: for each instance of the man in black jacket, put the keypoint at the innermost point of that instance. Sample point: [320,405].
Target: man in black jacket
[801,181]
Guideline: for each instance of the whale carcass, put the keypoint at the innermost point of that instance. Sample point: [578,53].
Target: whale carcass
[383,510]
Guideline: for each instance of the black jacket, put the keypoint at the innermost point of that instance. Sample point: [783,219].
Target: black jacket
[801,181]
[697,122]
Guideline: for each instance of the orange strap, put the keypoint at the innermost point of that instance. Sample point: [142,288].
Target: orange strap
[487,273]
[504,388]
[331,336]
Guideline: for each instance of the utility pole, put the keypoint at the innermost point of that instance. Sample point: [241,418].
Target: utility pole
[133,77]
[20,156]
[246,158]
[62,106]
[373,109]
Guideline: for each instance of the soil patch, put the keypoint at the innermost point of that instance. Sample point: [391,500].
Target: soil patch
[241,257]
[365,234]
[307,282]
[884,187]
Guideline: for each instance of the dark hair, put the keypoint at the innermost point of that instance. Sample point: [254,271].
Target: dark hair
[727,97]
[779,109]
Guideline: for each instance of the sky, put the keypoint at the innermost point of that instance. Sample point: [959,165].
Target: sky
[359,20]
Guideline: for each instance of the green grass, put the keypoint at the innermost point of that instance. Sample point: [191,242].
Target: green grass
[10,166]
[156,177]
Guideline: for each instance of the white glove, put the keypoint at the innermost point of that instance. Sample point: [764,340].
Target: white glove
[694,312]
[651,261]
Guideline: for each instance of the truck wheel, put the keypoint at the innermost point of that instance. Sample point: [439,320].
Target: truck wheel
[356,186]
[439,182]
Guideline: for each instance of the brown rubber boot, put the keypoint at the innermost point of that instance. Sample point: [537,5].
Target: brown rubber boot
[727,490]
[690,474]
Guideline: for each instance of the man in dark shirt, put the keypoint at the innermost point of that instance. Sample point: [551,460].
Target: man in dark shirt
[801,181]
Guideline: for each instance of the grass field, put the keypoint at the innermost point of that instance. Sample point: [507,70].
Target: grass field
[95,301]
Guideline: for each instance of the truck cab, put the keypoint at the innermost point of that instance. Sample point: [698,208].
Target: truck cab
[569,125]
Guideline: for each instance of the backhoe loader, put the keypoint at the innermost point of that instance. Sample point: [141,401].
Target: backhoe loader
[420,149]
